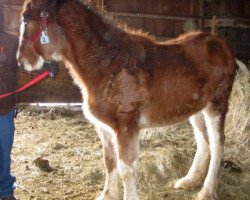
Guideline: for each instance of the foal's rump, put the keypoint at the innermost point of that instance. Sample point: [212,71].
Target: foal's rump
[186,73]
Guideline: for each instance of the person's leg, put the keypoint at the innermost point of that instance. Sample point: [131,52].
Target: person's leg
[7,181]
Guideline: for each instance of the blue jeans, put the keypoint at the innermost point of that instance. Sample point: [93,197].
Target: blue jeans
[7,128]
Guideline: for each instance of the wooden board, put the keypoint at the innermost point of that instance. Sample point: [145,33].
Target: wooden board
[11,2]
[162,28]
[233,22]
[11,18]
[240,40]
[227,8]
[162,18]
[166,7]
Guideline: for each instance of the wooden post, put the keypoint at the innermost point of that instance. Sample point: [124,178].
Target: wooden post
[102,6]
[213,25]
[201,14]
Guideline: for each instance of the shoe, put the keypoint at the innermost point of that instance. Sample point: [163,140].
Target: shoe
[8,198]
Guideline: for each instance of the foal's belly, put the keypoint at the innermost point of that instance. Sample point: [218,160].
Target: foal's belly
[150,119]
[171,107]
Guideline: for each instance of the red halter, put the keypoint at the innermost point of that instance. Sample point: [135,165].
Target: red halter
[43,27]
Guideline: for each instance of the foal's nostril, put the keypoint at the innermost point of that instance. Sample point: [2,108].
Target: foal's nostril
[19,62]
[20,65]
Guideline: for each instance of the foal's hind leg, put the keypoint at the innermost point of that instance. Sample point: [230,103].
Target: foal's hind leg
[215,124]
[111,188]
[215,113]
[215,134]
[198,169]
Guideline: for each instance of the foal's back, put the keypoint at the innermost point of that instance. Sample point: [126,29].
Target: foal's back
[184,75]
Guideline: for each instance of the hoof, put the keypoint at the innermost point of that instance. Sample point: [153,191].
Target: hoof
[187,184]
[101,197]
[205,194]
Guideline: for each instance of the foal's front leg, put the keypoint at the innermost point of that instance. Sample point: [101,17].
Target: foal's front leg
[111,188]
[128,148]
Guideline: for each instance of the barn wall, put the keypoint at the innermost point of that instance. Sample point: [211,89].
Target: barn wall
[167,18]
[162,18]
[11,15]
[233,23]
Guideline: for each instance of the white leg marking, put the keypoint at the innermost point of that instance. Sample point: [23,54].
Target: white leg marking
[127,174]
[211,182]
[197,171]
[143,121]
[111,188]
[202,154]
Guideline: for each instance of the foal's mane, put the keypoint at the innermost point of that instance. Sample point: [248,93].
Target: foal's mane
[89,6]
[57,4]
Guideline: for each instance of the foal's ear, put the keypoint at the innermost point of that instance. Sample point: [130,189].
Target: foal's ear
[37,4]
[32,9]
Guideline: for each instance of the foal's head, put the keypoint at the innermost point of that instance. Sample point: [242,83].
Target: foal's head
[41,39]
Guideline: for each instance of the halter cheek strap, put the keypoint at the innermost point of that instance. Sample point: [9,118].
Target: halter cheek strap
[36,36]
[31,40]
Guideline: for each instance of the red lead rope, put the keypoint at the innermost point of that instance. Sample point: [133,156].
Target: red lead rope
[32,82]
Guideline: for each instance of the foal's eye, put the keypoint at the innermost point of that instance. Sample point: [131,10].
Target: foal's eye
[26,19]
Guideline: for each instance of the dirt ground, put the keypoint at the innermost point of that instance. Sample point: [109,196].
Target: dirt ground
[58,155]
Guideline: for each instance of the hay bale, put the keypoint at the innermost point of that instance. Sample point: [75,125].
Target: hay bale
[237,128]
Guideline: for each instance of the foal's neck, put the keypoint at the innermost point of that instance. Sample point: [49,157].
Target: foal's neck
[92,43]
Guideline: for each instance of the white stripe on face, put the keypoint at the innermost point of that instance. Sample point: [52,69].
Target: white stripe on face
[22,30]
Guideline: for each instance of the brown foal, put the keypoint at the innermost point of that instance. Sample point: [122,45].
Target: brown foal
[129,82]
